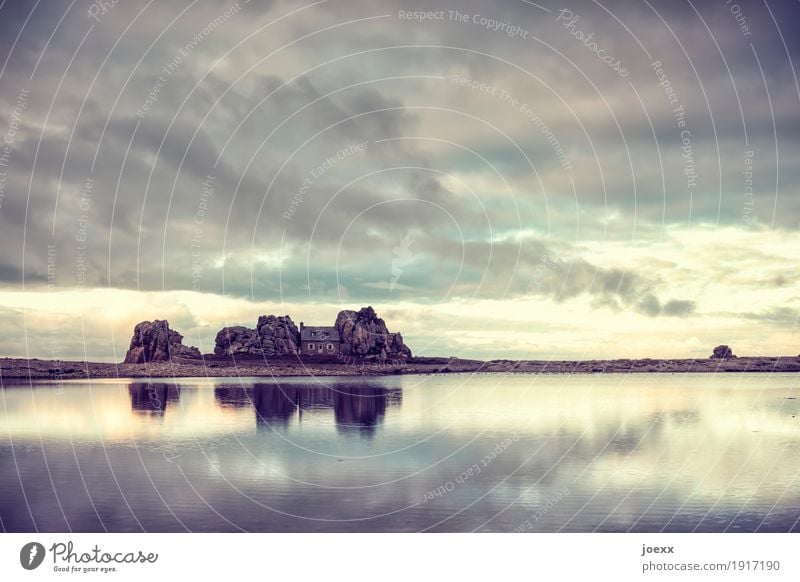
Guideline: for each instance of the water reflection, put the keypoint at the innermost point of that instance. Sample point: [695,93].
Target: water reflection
[636,453]
[357,408]
[362,409]
[152,399]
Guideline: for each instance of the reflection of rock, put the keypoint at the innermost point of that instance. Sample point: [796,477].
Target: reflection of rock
[233,396]
[153,398]
[156,342]
[274,336]
[275,404]
[363,333]
[360,407]
[722,352]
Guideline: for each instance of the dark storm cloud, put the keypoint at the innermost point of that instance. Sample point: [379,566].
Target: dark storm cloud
[149,170]
[25,30]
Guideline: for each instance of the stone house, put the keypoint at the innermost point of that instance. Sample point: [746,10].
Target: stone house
[319,340]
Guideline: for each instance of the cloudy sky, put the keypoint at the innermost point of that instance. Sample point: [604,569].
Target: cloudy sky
[498,179]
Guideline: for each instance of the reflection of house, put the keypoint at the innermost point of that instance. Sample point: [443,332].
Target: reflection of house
[318,340]
[356,407]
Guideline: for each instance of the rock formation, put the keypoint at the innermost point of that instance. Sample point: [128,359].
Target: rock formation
[178,350]
[156,342]
[279,335]
[274,336]
[722,352]
[237,340]
[363,334]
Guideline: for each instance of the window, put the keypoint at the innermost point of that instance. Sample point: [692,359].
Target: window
[329,347]
[310,347]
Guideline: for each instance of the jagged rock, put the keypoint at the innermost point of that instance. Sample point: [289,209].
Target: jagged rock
[398,347]
[364,334]
[279,335]
[273,336]
[722,352]
[178,350]
[237,340]
[156,342]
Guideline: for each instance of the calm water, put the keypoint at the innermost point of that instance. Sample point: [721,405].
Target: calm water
[435,453]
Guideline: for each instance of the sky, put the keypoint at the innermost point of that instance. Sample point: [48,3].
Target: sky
[506,179]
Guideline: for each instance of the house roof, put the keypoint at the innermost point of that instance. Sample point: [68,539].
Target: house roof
[319,333]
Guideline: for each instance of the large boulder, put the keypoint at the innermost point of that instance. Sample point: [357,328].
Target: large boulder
[178,350]
[237,340]
[364,334]
[274,336]
[154,341]
[279,335]
[398,347]
[722,352]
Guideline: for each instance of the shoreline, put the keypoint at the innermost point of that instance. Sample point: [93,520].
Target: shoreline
[57,370]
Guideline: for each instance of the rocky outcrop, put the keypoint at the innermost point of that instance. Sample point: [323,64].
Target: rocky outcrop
[178,350]
[279,335]
[274,336]
[398,347]
[722,352]
[364,334]
[156,342]
[237,340]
